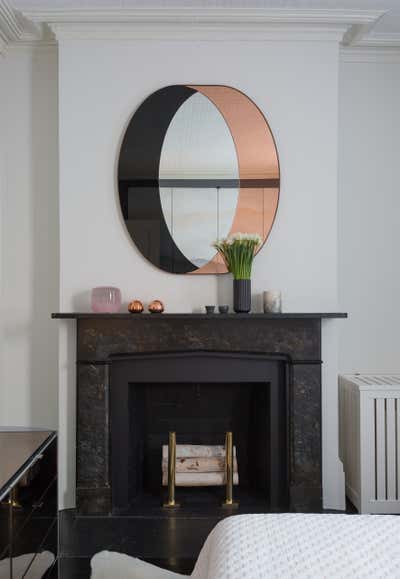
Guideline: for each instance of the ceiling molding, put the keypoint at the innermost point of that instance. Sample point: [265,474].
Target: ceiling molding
[384,41]
[10,27]
[16,30]
[208,23]
[366,54]
[378,48]
[356,32]
[349,27]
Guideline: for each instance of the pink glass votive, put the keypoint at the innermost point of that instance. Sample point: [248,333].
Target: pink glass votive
[106,300]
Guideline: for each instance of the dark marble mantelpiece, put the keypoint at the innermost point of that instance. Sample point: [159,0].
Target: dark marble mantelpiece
[194,316]
[102,337]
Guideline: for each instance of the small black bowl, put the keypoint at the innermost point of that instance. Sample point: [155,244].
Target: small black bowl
[210,309]
[223,309]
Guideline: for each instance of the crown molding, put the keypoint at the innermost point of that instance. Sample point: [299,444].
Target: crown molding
[16,30]
[10,27]
[384,41]
[349,27]
[378,48]
[206,23]
[368,55]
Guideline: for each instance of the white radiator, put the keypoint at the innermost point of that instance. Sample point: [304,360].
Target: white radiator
[369,407]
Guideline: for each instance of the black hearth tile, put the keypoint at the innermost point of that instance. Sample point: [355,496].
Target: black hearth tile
[52,573]
[184,566]
[158,539]
[199,502]
[74,568]
[85,536]
[145,537]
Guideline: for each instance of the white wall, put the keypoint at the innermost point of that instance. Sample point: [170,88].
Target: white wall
[296,85]
[369,207]
[298,93]
[29,237]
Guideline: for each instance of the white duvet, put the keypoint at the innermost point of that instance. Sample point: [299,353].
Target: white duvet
[302,546]
[283,546]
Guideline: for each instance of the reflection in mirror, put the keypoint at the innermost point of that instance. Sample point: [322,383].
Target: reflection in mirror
[198,158]
[195,216]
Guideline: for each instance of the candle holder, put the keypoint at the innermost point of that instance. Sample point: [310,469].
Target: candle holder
[272,301]
[106,300]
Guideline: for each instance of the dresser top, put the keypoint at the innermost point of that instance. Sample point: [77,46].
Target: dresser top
[18,449]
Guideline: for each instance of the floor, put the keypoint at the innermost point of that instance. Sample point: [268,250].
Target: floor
[71,568]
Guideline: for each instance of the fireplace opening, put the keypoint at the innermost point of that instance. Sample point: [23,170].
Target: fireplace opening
[200,412]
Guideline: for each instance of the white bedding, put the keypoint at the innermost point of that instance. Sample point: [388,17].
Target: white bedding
[283,546]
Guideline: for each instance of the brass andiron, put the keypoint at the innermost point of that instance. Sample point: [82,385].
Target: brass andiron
[170,504]
[229,502]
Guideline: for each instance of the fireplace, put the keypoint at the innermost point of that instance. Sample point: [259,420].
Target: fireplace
[200,395]
[136,377]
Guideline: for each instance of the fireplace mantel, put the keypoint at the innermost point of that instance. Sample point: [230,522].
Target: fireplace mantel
[194,316]
[102,338]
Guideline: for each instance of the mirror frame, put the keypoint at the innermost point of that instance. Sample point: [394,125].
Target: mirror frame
[258,163]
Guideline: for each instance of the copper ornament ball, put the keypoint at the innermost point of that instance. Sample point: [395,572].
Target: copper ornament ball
[135,307]
[156,307]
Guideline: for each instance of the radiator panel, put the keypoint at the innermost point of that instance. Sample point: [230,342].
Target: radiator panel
[370,440]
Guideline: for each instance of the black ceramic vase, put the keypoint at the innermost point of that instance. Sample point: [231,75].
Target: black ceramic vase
[242,296]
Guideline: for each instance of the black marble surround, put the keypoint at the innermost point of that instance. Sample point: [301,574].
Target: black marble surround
[102,338]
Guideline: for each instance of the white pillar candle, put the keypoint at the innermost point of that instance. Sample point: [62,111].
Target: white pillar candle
[272,302]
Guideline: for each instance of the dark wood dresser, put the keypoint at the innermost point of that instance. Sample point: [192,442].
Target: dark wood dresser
[28,495]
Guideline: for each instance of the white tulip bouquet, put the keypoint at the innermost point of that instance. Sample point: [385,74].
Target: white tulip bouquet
[238,252]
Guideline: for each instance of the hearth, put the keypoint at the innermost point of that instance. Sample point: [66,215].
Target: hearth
[200,395]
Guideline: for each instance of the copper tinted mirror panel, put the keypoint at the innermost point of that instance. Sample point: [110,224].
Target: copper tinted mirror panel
[197,163]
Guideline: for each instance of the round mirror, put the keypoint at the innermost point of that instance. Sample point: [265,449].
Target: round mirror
[197,163]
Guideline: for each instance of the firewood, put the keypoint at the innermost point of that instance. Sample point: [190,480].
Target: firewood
[201,464]
[197,451]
